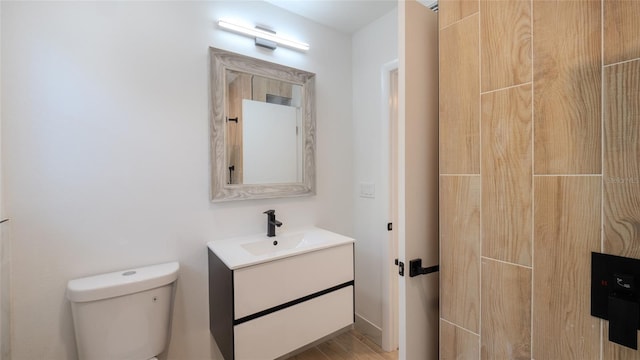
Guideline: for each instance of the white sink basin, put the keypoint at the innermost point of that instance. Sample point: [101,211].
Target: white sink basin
[285,242]
[250,250]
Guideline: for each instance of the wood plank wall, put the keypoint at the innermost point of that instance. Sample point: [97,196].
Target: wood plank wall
[239,88]
[539,166]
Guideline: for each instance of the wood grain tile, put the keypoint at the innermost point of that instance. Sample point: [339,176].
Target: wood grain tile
[621,30]
[333,350]
[450,11]
[460,250]
[261,87]
[505,40]
[348,345]
[567,82]
[460,98]
[387,355]
[311,354]
[356,348]
[506,311]
[622,217]
[238,89]
[506,175]
[567,230]
[621,157]
[457,343]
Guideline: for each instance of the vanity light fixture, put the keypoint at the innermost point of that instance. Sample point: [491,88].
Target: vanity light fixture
[264,37]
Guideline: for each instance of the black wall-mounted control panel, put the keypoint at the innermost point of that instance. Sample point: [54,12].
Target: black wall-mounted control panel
[615,296]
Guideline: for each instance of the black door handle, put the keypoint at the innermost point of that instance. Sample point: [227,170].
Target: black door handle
[415,268]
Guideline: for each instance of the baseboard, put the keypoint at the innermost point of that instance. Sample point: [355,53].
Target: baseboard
[368,329]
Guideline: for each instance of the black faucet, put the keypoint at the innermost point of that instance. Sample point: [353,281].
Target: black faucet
[272,223]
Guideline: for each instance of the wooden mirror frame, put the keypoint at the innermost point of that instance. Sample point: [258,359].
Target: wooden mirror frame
[222,60]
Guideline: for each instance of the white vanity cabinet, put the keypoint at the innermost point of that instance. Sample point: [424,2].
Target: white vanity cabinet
[266,310]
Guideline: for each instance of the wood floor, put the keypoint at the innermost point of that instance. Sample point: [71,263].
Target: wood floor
[348,345]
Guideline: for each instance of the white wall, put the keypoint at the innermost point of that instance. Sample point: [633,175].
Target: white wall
[106,152]
[373,46]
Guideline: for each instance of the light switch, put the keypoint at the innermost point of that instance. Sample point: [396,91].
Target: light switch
[367,190]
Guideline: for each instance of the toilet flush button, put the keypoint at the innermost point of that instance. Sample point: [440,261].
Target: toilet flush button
[129,273]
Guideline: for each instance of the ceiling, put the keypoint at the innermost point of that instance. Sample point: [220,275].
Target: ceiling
[346,16]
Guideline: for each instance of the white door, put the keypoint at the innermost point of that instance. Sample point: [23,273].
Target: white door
[273,161]
[418,179]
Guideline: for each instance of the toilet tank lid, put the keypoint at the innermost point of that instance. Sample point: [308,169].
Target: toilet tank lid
[123,282]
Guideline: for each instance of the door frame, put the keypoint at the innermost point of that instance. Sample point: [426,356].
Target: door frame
[389,139]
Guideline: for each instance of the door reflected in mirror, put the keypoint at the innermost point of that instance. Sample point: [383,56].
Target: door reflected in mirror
[262,129]
[264,132]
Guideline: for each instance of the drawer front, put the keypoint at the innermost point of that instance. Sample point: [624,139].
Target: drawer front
[261,287]
[281,332]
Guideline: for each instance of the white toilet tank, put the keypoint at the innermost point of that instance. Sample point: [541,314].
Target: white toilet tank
[124,315]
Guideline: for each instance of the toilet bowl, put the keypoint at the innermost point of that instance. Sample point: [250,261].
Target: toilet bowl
[123,315]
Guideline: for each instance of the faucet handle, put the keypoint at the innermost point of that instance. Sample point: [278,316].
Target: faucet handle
[269,212]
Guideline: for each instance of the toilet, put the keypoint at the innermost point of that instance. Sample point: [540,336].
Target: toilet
[123,315]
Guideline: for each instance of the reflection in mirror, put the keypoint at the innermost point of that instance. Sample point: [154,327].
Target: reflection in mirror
[262,129]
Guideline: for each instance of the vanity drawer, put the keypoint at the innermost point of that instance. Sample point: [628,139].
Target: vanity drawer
[267,285]
[281,332]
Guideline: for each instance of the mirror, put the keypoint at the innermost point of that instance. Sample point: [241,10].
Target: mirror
[263,140]
[262,129]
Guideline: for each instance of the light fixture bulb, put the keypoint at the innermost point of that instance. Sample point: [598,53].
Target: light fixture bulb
[258,33]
